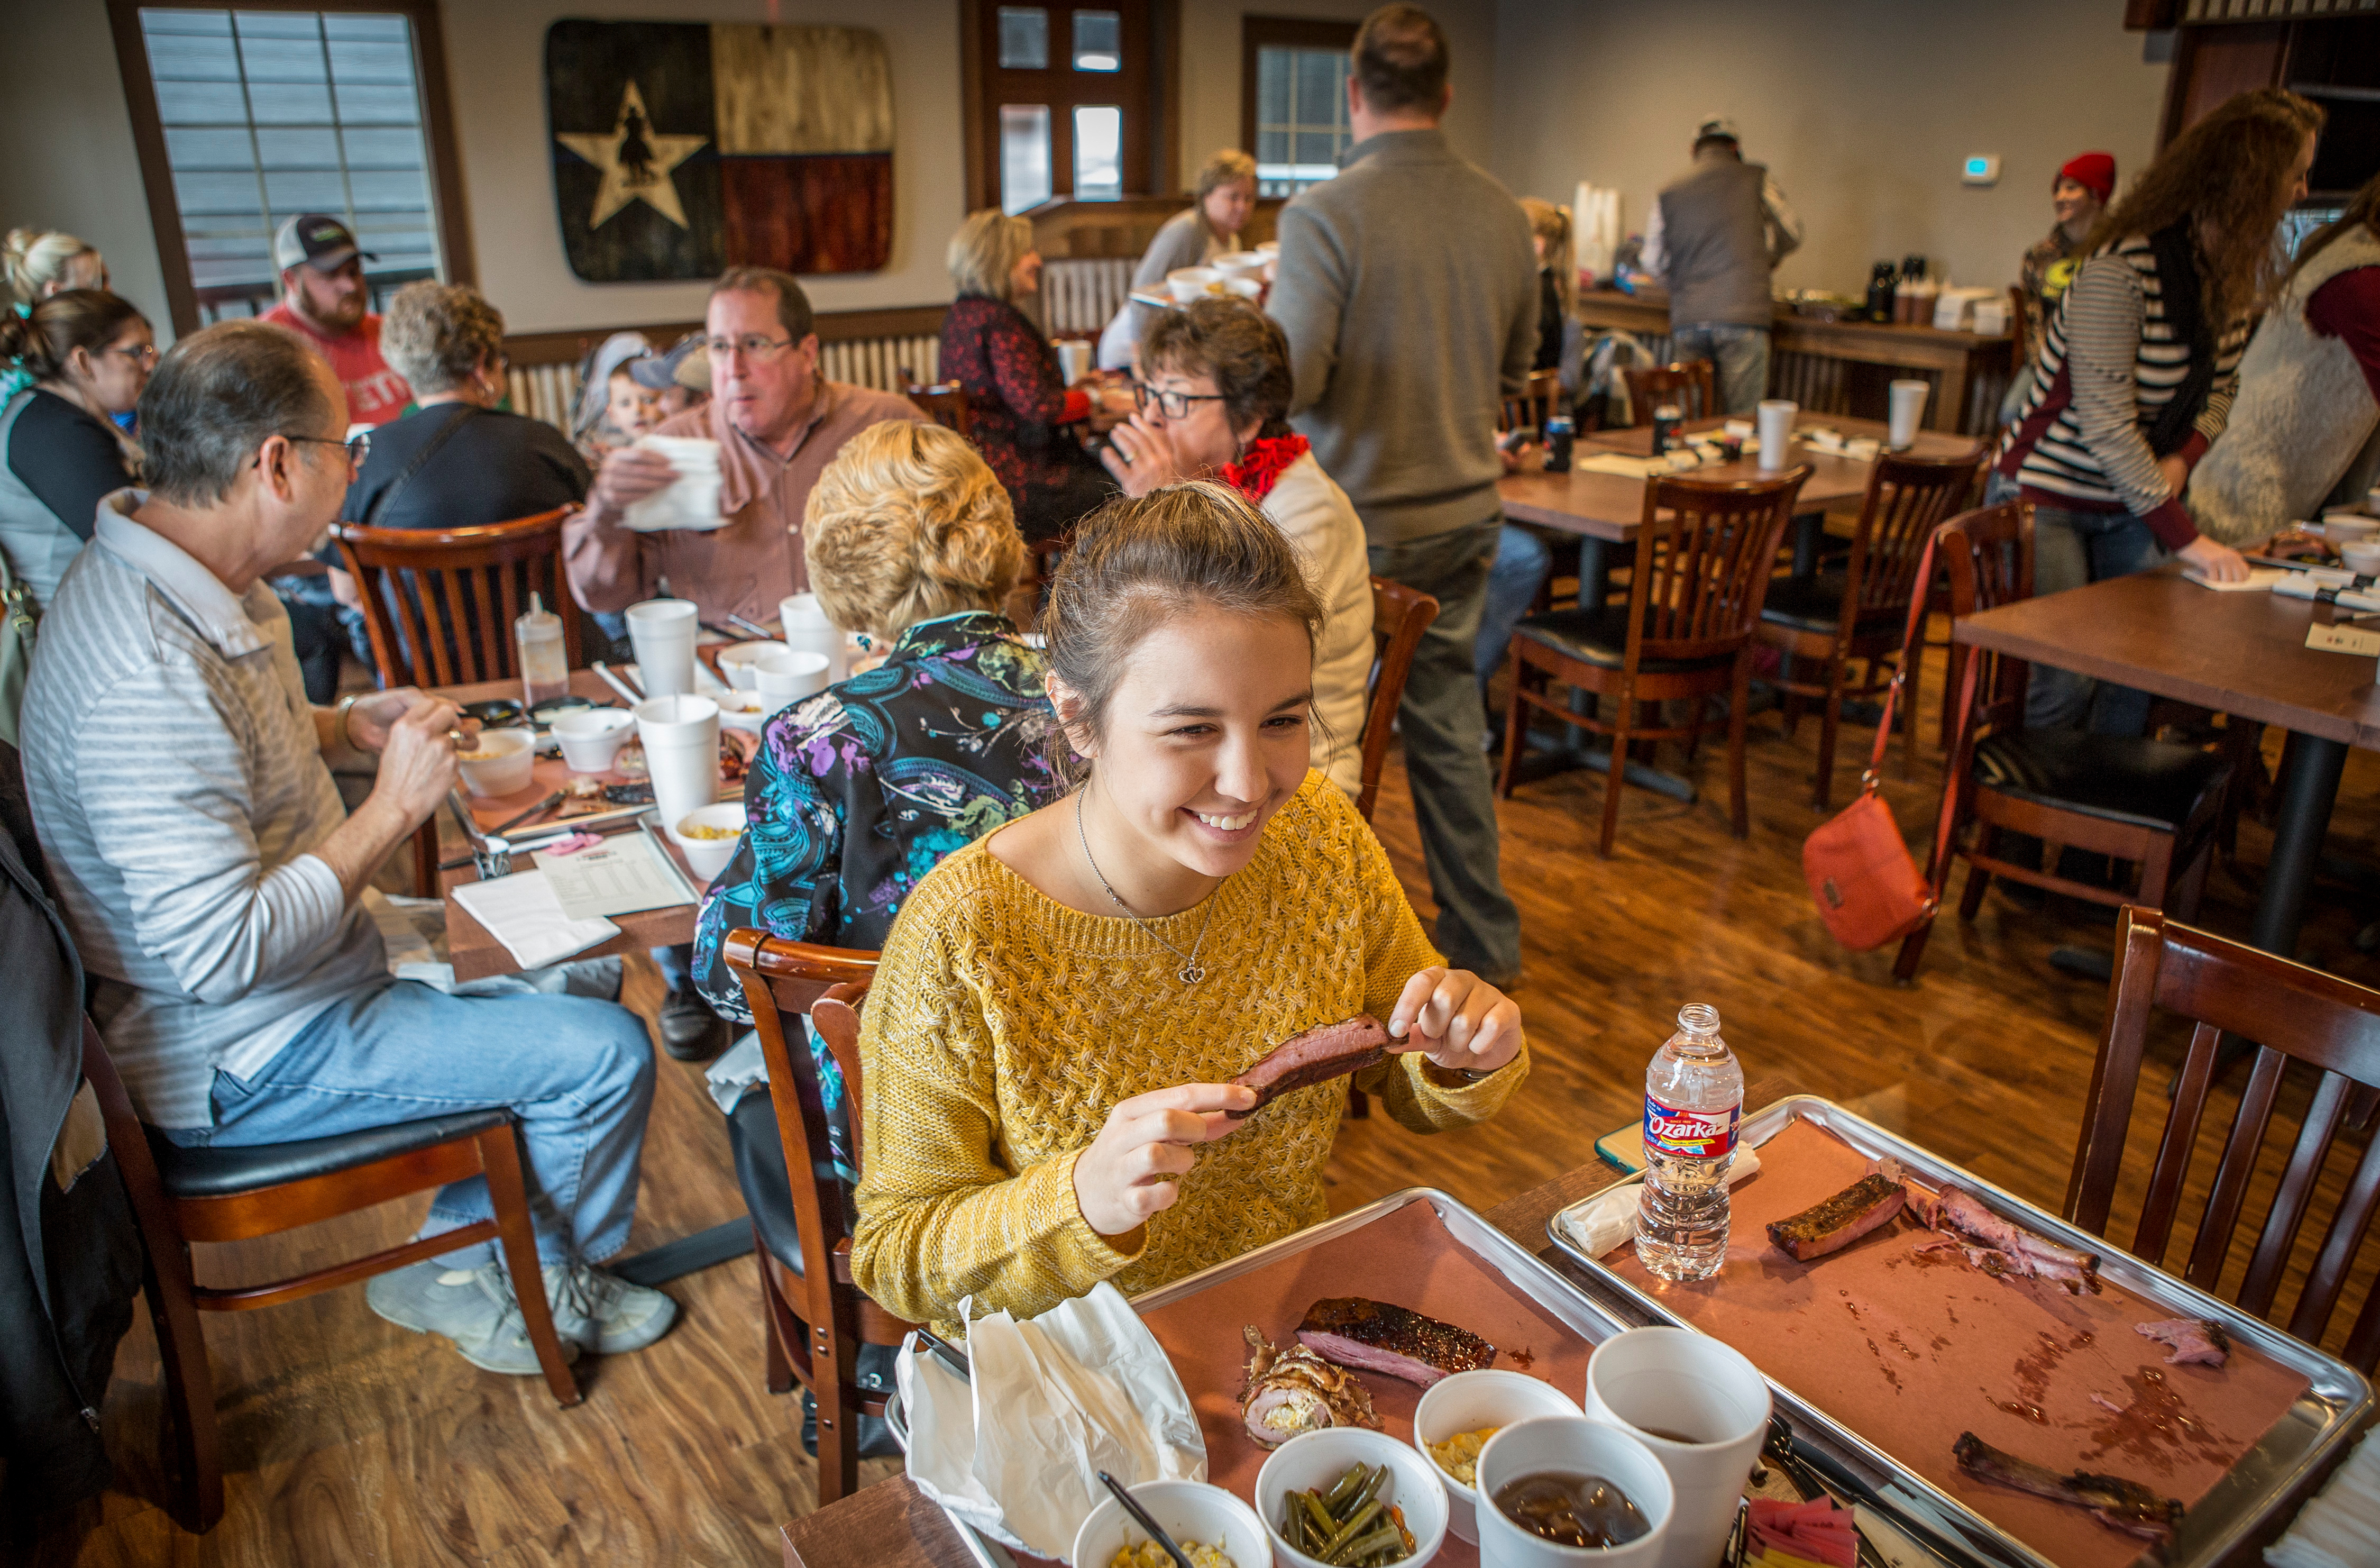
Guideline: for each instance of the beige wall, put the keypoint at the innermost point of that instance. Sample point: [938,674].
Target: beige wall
[1210,68]
[1863,109]
[71,165]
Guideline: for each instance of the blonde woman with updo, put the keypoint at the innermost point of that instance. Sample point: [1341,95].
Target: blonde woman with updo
[35,265]
[1060,1007]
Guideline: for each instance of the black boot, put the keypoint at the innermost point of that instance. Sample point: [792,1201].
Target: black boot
[691,1030]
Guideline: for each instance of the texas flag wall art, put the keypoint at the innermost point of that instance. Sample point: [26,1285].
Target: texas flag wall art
[681,150]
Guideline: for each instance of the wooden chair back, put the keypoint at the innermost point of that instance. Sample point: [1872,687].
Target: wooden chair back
[1987,555]
[1400,616]
[1704,556]
[2298,1015]
[1907,500]
[440,604]
[944,402]
[1692,385]
[829,1317]
[1536,404]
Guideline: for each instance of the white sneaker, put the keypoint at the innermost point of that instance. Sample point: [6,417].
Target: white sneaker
[474,1307]
[604,1312]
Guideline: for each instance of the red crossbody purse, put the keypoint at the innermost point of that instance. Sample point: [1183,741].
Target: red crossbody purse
[1868,885]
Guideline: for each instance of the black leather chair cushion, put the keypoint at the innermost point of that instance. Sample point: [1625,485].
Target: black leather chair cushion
[1815,605]
[2152,783]
[760,1171]
[1601,637]
[225,1172]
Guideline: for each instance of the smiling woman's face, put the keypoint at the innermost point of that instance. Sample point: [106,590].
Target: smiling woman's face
[1205,736]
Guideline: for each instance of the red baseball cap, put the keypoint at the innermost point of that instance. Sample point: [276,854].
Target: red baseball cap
[2095,172]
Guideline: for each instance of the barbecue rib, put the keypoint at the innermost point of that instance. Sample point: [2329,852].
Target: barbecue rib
[2124,1505]
[2193,1340]
[1294,1391]
[1397,1340]
[1316,1056]
[1838,1221]
[2000,1247]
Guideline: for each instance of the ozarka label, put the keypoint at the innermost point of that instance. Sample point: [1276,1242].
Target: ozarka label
[1689,1134]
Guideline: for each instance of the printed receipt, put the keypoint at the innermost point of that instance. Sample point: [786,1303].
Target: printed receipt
[617,878]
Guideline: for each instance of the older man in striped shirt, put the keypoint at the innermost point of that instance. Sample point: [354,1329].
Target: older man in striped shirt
[211,876]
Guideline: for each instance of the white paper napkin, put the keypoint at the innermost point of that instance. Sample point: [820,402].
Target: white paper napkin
[2340,1527]
[692,502]
[1604,1220]
[522,912]
[1083,1387]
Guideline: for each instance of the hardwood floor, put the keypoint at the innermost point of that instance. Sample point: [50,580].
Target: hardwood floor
[349,1440]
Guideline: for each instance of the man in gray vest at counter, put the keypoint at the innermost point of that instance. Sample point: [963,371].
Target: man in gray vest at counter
[1715,235]
[1408,291]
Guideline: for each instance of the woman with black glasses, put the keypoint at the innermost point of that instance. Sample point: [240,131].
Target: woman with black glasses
[88,354]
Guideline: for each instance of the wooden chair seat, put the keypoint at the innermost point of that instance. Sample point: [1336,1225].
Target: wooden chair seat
[2150,783]
[1599,636]
[227,1172]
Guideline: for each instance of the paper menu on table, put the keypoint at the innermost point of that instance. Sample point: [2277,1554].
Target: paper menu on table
[619,876]
[522,912]
[692,502]
[2260,580]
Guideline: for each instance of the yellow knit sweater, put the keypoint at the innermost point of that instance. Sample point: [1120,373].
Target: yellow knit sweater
[1003,1028]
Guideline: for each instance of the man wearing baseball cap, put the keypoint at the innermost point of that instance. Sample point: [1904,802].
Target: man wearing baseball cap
[323,299]
[2081,192]
[1715,235]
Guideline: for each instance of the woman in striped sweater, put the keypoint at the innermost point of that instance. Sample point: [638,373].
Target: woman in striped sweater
[2138,367]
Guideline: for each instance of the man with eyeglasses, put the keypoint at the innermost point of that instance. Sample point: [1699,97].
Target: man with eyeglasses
[216,886]
[323,299]
[778,424]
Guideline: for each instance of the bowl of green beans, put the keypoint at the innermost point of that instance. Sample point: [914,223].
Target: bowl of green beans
[1345,1496]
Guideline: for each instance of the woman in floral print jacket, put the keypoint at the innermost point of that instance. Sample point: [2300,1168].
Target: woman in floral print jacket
[858,792]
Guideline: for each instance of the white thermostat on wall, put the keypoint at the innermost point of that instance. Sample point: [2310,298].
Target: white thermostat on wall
[1980,168]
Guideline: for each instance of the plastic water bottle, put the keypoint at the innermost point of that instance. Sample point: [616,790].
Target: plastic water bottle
[1693,1096]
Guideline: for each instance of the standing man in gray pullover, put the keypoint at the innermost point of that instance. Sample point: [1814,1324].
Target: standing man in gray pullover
[1408,290]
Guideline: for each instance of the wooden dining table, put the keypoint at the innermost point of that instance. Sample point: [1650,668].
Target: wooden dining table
[1602,510]
[473,949]
[2242,653]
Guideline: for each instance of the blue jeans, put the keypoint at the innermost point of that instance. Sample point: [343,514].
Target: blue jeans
[1521,564]
[2068,550]
[576,1072]
[1453,792]
[1741,354]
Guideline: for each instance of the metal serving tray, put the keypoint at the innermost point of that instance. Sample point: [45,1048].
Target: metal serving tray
[1522,1268]
[2324,1418]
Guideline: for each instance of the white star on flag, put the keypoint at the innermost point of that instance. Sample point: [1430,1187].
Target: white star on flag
[647,180]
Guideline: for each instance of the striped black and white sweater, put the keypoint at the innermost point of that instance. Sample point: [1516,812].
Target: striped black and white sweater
[2110,361]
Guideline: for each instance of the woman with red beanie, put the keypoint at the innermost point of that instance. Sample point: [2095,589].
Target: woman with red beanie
[2082,190]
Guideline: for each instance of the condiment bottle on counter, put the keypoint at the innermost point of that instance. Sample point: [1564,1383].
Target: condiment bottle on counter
[545,668]
[1880,283]
[1694,1098]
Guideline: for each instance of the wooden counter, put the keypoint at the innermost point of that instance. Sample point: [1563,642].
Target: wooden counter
[1842,368]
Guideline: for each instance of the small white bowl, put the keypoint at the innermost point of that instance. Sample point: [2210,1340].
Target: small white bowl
[1187,284]
[503,768]
[1468,1401]
[1314,1460]
[1244,287]
[783,679]
[1231,261]
[1188,1511]
[590,738]
[708,856]
[745,710]
[735,662]
[1579,1446]
[2363,557]
[2344,524]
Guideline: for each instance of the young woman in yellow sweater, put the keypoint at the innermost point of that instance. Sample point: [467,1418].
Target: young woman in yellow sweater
[1048,1047]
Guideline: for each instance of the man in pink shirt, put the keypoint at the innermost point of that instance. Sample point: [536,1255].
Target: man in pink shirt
[323,299]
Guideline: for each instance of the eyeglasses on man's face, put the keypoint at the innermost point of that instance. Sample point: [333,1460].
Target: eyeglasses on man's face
[1173,405]
[752,346]
[357,447]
